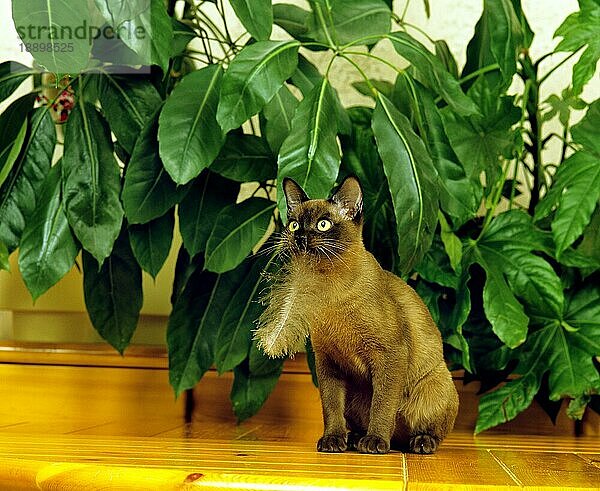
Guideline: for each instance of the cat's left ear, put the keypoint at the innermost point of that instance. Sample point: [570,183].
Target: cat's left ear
[349,198]
[294,194]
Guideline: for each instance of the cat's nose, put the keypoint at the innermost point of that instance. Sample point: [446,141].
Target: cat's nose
[302,242]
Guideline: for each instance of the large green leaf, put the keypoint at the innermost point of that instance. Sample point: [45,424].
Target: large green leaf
[128,103]
[198,211]
[193,324]
[151,242]
[19,193]
[113,293]
[310,154]
[480,141]
[432,73]
[238,320]
[254,380]
[237,229]
[278,113]
[256,16]
[412,180]
[188,133]
[565,347]
[10,153]
[148,191]
[40,23]
[294,20]
[47,250]
[582,29]
[460,195]
[12,74]
[338,22]
[183,34]
[147,24]
[245,158]
[91,181]
[254,76]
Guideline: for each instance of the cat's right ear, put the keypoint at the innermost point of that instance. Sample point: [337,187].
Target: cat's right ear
[294,194]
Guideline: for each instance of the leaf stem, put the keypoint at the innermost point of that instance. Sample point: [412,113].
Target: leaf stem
[480,71]
[419,30]
[362,73]
[553,69]
[404,12]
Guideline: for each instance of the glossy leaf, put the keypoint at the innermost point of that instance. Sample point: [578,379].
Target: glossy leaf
[148,191]
[253,383]
[565,349]
[19,193]
[127,103]
[245,158]
[294,20]
[47,250]
[48,20]
[278,113]
[412,181]
[237,229]
[151,242]
[253,78]
[582,29]
[12,75]
[91,181]
[4,264]
[113,293]
[433,73]
[338,22]
[310,154]
[193,324]
[182,36]
[256,16]
[188,133]
[198,211]
[235,330]
[150,20]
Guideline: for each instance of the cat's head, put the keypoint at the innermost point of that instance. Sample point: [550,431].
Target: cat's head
[323,229]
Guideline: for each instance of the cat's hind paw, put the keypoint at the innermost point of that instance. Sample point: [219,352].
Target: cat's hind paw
[332,444]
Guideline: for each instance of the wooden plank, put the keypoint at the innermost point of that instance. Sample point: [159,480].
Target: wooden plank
[536,470]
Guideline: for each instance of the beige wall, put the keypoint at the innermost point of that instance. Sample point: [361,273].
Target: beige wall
[59,315]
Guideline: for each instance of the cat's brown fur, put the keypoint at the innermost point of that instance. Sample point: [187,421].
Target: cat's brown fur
[378,352]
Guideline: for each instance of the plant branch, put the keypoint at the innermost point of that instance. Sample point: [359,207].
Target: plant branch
[555,67]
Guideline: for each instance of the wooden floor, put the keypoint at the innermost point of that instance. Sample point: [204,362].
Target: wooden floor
[65,425]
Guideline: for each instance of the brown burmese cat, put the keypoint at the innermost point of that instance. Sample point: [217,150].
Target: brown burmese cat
[378,352]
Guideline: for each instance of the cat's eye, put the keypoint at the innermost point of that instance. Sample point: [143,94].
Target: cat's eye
[324,225]
[293,226]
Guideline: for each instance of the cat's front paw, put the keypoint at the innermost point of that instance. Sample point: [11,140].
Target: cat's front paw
[332,444]
[373,444]
[424,444]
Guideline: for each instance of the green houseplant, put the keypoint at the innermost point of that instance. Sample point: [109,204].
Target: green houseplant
[514,287]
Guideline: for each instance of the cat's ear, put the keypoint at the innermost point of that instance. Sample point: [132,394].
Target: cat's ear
[349,198]
[294,194]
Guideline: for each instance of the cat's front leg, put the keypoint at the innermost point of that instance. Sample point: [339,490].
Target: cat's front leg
[333,394]
[384,406]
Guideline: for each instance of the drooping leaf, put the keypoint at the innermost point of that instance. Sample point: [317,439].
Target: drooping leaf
[256,16]
[4,264]
[46,22]
[279,112]
[151,242]
[245,158]
[197,312]
[412,180]
[182,36]
[19,193]
[237,229]
[452,243]
[582,29]
[10,153]
[47,250]
[310,154]
[91,181]
[188,133]
[12,74]
[149,28]
[383,86]
[563,348]
[253,382]
[148,191]
[198,211]
[113,293]
[294,20]
[235,330]
[443,53]
[432,73]
[435,267]
[128,103]
[338,22]
[253,78]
